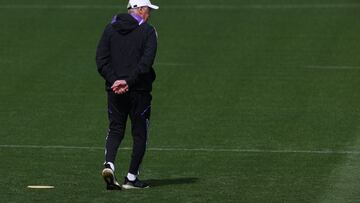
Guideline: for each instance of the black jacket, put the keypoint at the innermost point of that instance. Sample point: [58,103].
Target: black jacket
[126,51]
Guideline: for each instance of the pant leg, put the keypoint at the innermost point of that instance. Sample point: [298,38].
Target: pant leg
[140,120]
[118,111]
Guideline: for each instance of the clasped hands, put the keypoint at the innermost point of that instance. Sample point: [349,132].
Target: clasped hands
[120,87]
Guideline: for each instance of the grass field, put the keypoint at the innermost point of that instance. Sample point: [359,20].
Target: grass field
[255,101]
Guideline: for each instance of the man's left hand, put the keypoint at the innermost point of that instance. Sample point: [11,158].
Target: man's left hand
[120,87]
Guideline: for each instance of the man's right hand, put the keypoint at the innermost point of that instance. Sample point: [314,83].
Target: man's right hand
[120,87]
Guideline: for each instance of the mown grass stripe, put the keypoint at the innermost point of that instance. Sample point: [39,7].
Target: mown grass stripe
[287,151]
[183,7]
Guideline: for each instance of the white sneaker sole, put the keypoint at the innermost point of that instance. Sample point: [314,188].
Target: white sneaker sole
[129,187]
[109,176]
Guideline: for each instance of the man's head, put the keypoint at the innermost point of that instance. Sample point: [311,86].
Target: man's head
[141,8]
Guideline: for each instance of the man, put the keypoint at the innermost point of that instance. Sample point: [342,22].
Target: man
[124,58]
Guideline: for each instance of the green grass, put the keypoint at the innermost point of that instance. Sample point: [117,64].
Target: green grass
[277,76]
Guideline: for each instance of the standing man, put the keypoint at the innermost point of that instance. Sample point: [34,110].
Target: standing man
[124,58]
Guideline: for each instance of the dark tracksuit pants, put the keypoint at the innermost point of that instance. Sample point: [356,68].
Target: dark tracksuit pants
[137,106]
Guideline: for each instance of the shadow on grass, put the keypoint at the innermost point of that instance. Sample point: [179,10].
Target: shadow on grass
[173,181]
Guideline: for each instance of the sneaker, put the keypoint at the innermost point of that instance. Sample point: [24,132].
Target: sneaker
[136,184]
[109,177]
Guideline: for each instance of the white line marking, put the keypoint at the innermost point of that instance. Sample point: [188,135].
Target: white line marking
[40,187]
[285,151]
[186,7]
[334,67]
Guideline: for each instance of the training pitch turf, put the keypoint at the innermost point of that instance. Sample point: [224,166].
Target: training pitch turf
[255,101]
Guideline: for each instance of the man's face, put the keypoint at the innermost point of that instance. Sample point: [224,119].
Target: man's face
[145,12]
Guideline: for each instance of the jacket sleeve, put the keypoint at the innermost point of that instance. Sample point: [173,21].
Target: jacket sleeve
[103,57]
[147,59]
